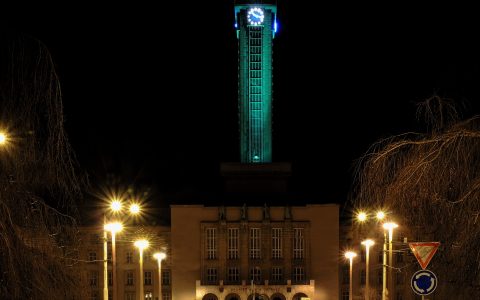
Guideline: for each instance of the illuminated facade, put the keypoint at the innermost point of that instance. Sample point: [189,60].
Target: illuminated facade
[234,253]
[90,263]
[255,22]
[404,263]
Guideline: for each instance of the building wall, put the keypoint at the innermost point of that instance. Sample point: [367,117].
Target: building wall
[189,258]
[90,261]
[404,263]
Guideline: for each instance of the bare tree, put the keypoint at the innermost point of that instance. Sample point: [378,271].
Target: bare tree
[430,182]
[38,181]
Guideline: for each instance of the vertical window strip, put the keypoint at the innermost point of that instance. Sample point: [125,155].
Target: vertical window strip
[298,243]
[211,243]
[277,243]
[255,243]
[233,243]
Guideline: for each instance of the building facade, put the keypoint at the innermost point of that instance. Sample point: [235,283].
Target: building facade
[90,263]
[238,253]
[398,272]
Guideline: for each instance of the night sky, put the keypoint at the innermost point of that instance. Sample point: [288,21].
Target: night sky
[150,89]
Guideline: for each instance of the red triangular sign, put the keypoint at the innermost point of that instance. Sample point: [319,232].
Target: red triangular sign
[424,252]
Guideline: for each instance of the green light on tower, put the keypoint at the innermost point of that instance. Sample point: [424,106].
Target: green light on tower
[255,23]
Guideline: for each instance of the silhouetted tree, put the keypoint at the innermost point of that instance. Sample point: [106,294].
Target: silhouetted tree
[38,181]
[430,182]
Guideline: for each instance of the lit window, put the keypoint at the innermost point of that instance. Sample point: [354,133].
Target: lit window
[165,277]
[129,276]
[211,243]
[212,275]
[148,278]
[277,275]
[93,278]
[256,275]
[255,243]
[276,243]
[363,277]
[148,296]
[94,295]
[92,256]
[233,275]
[233,243]
[166,296]
[129,296]
[299,274]
[298,243]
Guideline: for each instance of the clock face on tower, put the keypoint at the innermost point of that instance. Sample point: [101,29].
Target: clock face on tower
[255,16]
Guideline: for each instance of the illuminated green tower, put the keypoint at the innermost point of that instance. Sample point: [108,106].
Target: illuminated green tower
[255,22]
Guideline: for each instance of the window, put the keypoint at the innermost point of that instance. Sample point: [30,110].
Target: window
[130,296]
[211,243]
[345,295]
[212,275]
[255,243]
[92,256]
[298,243]
[148,278]
[166,296]
[110,278]
[299,274]
[233,275]
[277,274]
[363,277]
[94,295]
[345,274]
[399,278]
[129,278]
[256,274]
[166,277]
[148,296]
[276,243]
[232,243]
[380,276]
[399,257]
[129,257]
[93,278]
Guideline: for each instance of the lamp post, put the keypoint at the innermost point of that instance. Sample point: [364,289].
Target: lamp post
[116,206]
[159,256]
[350,255]
[114,228]
[367,243]
[388,226]
[141,245]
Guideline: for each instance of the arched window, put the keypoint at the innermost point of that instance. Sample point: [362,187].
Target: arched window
[278,297]
[232,297]
[209,297]
[299,296]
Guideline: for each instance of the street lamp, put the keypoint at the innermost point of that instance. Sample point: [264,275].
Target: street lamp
[350,255]
[114,228]
[141,244]
[159,256]
[367,243]
[3,138]
[388,226]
